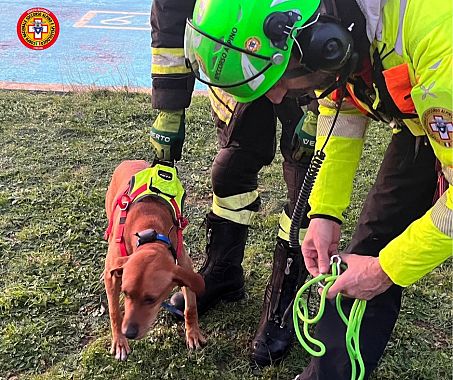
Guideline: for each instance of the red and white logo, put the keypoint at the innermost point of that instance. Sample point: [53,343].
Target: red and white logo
[38,28]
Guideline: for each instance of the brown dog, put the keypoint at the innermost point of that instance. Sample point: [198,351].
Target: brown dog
[148,274]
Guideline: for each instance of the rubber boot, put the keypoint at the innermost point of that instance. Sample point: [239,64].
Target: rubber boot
[275,333]
[222,270]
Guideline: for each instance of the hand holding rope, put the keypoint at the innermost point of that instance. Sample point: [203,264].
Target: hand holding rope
[353,322]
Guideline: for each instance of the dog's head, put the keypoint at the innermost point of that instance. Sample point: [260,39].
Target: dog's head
[147,278]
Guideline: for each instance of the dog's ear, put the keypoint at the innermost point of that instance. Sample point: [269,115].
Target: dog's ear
[185,277]
[117,270]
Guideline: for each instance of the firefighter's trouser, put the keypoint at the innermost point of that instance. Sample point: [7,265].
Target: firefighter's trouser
[247,146]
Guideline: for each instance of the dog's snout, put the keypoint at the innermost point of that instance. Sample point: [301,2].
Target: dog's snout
[132,331]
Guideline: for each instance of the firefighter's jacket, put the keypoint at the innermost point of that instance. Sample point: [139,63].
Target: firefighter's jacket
[173,82]
[415,37]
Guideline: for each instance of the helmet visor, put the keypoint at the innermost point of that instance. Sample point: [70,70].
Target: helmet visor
[223,64]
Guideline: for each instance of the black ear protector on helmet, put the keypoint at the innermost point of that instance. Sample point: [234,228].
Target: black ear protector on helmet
[278,26]
[324,44]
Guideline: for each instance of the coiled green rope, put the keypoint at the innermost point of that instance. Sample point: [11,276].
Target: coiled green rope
[353,322]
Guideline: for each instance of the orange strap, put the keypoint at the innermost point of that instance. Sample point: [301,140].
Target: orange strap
[399,87]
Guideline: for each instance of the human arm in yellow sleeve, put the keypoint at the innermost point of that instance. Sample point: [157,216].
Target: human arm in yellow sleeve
[332,190]
[427,242]
[419,249]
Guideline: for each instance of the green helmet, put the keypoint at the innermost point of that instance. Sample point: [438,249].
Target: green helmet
[244,46]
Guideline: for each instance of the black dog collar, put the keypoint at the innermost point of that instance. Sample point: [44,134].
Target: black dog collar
[151,236]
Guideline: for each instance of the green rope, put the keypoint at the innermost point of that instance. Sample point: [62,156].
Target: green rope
[353,322]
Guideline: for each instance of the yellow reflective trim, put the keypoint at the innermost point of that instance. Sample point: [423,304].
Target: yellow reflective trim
[236,202]
[168,61]
[284,225]
[156,69]
[232,208]
[225,97]
[442,215]
[241,217]
[449,201]
[329,108]
[353,126]
[177,52]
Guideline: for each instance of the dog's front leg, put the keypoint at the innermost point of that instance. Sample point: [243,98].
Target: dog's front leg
[120,346]
[194,338]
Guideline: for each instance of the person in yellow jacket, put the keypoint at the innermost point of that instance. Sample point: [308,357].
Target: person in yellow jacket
[389,61]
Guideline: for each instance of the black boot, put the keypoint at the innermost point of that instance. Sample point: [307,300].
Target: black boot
[222,269]
[275,333]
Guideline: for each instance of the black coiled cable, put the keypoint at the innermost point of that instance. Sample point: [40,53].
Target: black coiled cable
[307,186]
[302,199]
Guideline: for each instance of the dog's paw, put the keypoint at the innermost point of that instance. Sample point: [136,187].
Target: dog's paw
[194,339]
[120,348]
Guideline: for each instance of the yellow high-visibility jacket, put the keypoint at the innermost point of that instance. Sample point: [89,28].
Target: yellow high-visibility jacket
[420,32]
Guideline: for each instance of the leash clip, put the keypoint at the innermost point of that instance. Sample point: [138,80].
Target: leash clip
[336,259]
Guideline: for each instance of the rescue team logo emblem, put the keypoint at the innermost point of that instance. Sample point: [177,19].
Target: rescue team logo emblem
[253,44]
[438,122]
[38,28]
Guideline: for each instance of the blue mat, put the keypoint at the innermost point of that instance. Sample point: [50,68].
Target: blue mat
[101,43]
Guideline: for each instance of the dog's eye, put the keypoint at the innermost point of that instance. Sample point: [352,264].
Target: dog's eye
[149,300]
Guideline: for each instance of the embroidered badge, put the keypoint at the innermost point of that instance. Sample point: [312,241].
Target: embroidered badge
[438,124]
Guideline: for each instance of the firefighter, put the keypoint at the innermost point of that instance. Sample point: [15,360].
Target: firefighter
[375,60]
[247,139]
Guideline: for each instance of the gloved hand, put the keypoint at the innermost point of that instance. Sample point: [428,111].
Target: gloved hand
[304,137]
[167,135]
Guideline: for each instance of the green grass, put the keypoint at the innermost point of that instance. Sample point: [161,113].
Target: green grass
[58,152]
